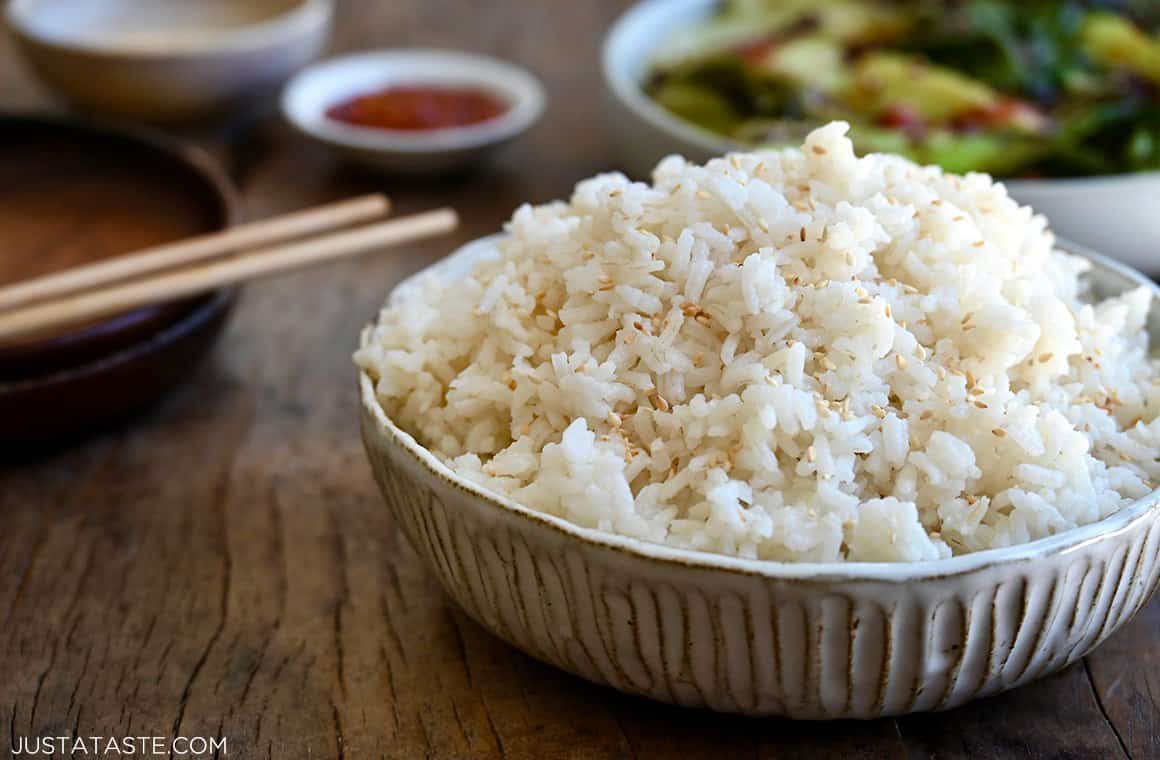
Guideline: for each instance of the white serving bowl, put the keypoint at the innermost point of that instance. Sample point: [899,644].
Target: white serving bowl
[837,640]
[1118,214]
[168,61]
[311,93]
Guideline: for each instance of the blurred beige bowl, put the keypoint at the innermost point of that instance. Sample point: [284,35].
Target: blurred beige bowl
[167,61]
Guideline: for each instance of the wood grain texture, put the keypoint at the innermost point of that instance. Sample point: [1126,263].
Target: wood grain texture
[224,566]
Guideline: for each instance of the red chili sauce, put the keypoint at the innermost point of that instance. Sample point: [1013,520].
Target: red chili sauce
[419,108]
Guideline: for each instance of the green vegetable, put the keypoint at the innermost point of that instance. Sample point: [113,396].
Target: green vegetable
[814,62]
[882,81]
[699,104]
[871,139]
[1116,42]
[1144,147]
[1000,154]
[847,21]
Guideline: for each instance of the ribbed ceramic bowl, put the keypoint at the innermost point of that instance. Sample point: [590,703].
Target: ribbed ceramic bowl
[815,641]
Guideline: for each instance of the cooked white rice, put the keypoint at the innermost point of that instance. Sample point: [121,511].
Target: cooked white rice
[792,355]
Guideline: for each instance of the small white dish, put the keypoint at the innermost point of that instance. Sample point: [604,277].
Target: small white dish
[168,61]
[801,640]
[318,88]
[1116,214]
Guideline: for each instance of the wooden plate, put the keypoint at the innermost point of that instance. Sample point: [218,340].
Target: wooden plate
[72,192]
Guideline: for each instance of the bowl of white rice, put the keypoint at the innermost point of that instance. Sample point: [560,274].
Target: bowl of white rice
[790,433]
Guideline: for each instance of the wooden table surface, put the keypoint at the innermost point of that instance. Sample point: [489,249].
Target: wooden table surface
[224,566]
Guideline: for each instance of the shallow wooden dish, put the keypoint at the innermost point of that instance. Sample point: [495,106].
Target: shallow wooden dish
[73,192]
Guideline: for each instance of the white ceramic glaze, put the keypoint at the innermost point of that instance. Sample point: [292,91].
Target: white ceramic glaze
[168,61]
[311,93]
[1117,214]
[815,641]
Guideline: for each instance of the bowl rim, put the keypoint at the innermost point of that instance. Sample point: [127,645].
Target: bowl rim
[516,84]
[1066,542]
[301,19]
[201,309]
[630,93]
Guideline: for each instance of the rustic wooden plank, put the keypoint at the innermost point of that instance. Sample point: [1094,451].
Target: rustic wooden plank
[224,566]
[1125,678]
[1057,718]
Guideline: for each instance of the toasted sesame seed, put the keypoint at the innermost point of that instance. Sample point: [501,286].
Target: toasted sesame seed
[926,415]
[1044,358]
[900,360]
[998,432]
[818,149]
[981,405]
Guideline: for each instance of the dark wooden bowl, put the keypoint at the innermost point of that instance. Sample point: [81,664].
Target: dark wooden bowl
[72,192]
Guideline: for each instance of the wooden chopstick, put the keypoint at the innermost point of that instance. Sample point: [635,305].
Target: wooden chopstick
[186,282]
[183,253]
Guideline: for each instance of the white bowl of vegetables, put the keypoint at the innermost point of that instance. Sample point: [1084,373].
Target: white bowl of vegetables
[1062,103]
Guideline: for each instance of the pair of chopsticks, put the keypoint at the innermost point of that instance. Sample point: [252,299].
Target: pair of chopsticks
[197,265]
